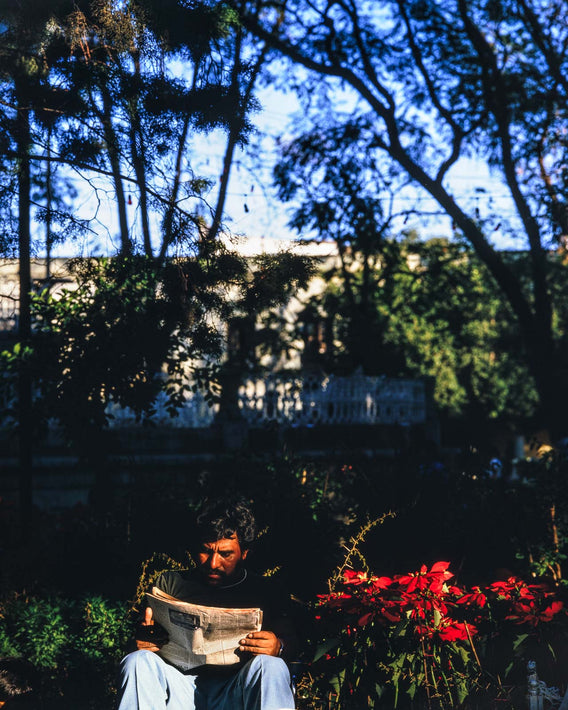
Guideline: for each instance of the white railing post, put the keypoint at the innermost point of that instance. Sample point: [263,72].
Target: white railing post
[534,698]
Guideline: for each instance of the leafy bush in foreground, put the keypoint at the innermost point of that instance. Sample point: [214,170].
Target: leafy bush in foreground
[75,644]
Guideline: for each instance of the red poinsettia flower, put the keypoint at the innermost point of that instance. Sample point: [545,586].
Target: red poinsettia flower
[380,583]
[352,577]
[525,592]
[476,598]
[413,580]
[417,613]
[421,608]
[433,579]
[513,588]
[503,588]
[439,575]
[543,589]
[529,613]
[334,599]
[551,611]
[456,631]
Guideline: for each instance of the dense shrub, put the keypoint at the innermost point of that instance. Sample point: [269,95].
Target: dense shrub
[76,645]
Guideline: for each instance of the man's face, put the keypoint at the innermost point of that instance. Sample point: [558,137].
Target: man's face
[220,562]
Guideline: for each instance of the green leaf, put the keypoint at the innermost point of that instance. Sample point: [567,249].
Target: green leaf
[337,681]
[462,691]
[519,640]
[325,647]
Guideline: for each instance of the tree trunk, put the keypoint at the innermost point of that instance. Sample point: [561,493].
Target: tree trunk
[48,212]
[114,158]
[139,161]
[25,438]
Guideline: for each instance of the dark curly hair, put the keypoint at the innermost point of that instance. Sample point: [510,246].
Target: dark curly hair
[225,518]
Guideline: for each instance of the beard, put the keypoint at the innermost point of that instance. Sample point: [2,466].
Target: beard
[221,577]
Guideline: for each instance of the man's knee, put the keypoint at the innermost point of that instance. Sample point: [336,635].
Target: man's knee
[140,662]
[269,667]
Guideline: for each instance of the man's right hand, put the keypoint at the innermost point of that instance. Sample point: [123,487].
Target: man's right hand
[150,636]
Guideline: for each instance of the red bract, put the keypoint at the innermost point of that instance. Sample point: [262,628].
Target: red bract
[334,599]
[414,580]
[455,631]
[529,613]
[366,618]
[503,589]
[475,598]
[551,611]
[433,580]
[352,577]
[420,607]
[391,613]
[380,583]
[438,567]
[423,631]
[543,589]
[514,588]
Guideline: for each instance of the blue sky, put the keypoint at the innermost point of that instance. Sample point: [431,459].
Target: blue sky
[252,208]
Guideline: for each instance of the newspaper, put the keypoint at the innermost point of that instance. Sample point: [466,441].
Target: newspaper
[200,635]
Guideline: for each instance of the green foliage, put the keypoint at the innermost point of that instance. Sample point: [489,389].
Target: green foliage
[91,346]
[428,85]
[40,633]
[75,644]
[151,569]
[104,632]
[434,311]
[545,547]
[449,321]
[108,105]
[54,633]
[404,306]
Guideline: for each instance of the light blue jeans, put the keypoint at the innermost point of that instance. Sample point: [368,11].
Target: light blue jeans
[149,683]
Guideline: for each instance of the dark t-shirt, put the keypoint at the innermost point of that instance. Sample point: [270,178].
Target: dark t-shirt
[253,591]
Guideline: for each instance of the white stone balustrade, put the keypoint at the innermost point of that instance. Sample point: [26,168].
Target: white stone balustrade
[309,400]
[303,400]
[294,400]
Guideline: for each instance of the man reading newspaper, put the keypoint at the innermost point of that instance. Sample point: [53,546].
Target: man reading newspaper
[255,676]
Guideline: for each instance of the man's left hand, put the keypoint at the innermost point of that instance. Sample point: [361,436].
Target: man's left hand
[261,642]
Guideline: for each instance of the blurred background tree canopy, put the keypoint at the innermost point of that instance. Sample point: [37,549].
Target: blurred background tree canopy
[420,86]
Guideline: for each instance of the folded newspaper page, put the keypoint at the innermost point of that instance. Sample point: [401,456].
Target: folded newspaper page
[201,635]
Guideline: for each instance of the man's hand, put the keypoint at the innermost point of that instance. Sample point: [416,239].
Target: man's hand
[261,642]
[149,635]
